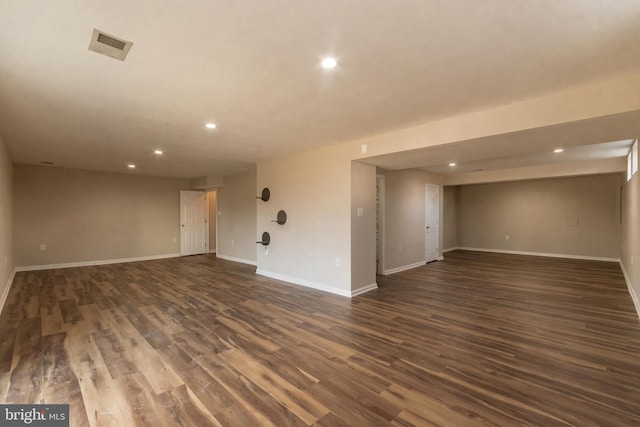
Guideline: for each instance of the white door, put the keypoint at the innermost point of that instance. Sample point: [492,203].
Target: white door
[193,222]
[432,222]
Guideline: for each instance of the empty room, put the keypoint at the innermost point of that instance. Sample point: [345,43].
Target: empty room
[336,213]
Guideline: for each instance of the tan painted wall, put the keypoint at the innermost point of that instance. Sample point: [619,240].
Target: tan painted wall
[404,214]
[450,217]
[236,201]
[363,228]
[631,233]
[213,216]
[540,216]
[314,188]
[86,216]
[6,222]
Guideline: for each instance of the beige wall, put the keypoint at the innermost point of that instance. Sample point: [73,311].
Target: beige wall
[450,217]
[631,234]
[86,216]
[404,217]
[314,188]
[363,228]
[213,216]
[569,216]
[6,223]
[236,201]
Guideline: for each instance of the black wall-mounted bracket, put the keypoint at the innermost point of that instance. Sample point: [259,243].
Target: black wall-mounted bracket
[266,239]
[265,196]
[281,218]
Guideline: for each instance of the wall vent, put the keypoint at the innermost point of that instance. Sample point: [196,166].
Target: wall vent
[109,45]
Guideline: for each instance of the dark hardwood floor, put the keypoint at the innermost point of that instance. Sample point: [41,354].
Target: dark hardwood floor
[476,340]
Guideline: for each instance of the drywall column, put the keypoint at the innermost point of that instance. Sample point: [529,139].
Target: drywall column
[631,236]
[363,228]
[6,223]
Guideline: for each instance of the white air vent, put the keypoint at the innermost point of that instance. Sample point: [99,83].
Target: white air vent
[109,45]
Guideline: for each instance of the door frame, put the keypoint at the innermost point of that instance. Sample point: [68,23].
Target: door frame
[380,208]
[427,187]
[213,190]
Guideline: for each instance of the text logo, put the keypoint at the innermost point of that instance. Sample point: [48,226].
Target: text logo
[34,415]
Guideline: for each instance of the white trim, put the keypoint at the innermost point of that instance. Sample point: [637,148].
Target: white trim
[234,259]
[306,283]
[427,187]
[212,251]
[440,258]
[403,268]
[454,248]
[364,289]
[381,181]
[5,294]
[99,262]
[500,251]
[634,296]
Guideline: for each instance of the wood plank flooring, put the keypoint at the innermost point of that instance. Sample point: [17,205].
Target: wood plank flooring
[475,340]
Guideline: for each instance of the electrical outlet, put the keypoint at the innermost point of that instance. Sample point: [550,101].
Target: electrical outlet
[266,250]
[399,248]
[507,237]
[43,247]
[363,148]
[360,211]
[232,242]
[174,240]
[338,262]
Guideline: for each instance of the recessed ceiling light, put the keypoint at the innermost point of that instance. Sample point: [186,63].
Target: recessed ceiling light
[329,62]
[158,152]
[131,166]
[558,150]
[210,125]
[452,164]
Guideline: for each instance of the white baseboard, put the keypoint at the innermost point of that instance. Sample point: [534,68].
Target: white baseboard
[308,283]
[5,293]
[364,289]
[500,251]
[241,260]
[212,251]
[454,248]
[403,268]
[99,262]
[632,292]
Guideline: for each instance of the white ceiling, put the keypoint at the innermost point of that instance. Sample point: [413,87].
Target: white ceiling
[252,67]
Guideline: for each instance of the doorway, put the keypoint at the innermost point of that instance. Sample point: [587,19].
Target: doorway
[432,222]
[193,222]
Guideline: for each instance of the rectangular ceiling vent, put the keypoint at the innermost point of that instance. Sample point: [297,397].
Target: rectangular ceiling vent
[109,45]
